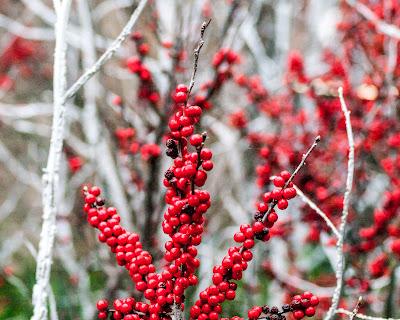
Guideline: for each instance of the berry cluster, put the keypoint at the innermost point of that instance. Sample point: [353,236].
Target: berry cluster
[184,224]
[300,306]
[129,144]
[222,63]
[128,252]
[147,89]
[184,218]
[183,221]
[208,306]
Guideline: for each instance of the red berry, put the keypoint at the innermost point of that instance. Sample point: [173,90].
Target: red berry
[310,311]
[279,182]
[180,97]
[289,193]
[102,305]
[205,154]
[282,204]
[314,300]
[207,165]
[239,237]
[298,314]
[181,88]
[276,194]
[196,140]
[285,175]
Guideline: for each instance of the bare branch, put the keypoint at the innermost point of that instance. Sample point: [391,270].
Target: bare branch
[51,173]
[32,33]
[99,150]
[196,54]
[25,111]
[345,212]
[383,27]
[301,164]
[313,206]
[361,316]
[126,31]
[356,308]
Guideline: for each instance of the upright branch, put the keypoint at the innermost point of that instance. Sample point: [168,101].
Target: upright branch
[196,54]
[151,189]
[345,212]
[51,172]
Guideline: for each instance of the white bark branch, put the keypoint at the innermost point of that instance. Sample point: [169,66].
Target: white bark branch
[126,31]
[32,33]
[313,206]
[51,173]
[345,212]
[361,316]
[383,27]
[25,111]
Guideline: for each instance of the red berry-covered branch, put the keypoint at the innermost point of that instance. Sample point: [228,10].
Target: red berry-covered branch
[184,224]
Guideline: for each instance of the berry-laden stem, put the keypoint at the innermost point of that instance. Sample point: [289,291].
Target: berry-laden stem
[300,306]
[209,304]
[301,164]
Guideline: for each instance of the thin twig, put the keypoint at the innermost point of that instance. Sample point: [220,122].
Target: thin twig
[301,164]
[356,308]
[126,31]
[345,212]
[313,206]
[361,316]
[196,54]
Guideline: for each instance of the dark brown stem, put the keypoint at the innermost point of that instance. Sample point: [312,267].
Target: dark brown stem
[152,189]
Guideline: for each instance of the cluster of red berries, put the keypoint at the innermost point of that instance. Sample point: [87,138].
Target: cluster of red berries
[295,69]
[225,55]
[147,89]
[379,266]
[183,221]
[385,222]
[301,305]
[127,309]
[208,306]
[283,192]
[128,252]
[304,305]
[223,62]
[256,92]
[128,144]
[183,120]
[18,52]
[184,218]
[238,119]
